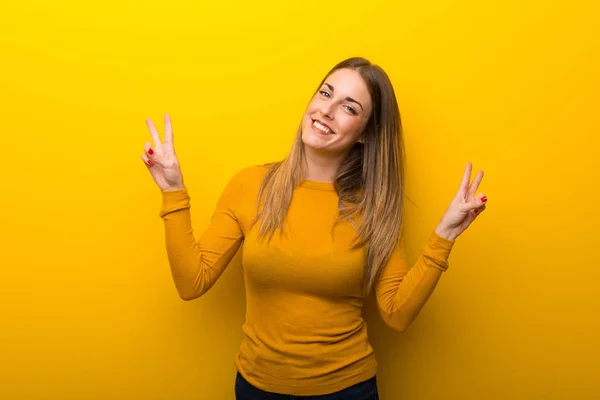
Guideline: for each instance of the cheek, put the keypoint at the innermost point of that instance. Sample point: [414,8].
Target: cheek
[312,107]
[306,121]
[350,125]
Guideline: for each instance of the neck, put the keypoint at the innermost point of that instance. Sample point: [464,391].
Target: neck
[322,166]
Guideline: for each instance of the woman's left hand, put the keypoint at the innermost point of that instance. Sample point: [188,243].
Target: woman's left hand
[465,207]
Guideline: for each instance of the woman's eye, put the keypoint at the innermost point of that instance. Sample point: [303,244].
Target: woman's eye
[352,110]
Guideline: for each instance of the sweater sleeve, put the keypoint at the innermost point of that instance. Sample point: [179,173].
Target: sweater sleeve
[401,293]
[197,264]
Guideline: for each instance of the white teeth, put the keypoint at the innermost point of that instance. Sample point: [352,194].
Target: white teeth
[321,127]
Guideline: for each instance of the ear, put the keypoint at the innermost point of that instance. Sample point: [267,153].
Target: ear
[361,139]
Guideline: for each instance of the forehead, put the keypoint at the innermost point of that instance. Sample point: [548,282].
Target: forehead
[348,82]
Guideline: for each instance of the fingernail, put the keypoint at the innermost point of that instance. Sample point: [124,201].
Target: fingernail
[476,211]
[150,151]
[483,199]
[149,162]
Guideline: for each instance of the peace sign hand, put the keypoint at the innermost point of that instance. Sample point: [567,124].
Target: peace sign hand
[464,208]
[161,159]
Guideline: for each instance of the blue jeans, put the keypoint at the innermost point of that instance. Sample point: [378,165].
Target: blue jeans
[366,390]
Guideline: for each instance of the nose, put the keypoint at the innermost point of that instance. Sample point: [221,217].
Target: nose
[326,109]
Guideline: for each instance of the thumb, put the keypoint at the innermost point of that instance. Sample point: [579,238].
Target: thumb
[152,155]
[480,200]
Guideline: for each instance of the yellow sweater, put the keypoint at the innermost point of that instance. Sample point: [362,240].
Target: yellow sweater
[304,334]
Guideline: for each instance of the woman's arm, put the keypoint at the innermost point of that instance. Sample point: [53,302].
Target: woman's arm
[196,265]
[401,292]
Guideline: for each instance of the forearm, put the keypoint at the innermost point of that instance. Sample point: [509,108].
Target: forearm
[402,295]
[184,255]
[197,264]
[413,292]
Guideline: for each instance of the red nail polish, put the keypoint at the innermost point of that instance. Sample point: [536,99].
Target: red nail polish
[149,162]
[483,199]
[150,151]
[476,211]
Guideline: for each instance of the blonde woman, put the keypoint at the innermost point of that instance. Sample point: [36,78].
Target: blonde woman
[320,230]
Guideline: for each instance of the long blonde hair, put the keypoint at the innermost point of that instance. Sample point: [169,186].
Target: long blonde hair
[369,182]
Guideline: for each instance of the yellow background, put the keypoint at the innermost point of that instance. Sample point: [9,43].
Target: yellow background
[88,306]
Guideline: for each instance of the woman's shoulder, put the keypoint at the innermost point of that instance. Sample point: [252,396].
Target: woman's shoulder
[244,185]
[251,172]
[250,176]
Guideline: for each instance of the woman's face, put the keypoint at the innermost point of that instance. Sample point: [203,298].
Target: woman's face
[337,114]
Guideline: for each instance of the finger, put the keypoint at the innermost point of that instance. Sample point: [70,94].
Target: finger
[479,210]
[168,129]
[475,185]
[147,161]
[464,184]
[149,150]
[151,155]
[153,132]
[480,200]
[473,204]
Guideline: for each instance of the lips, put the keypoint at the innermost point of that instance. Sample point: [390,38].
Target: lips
[324,124]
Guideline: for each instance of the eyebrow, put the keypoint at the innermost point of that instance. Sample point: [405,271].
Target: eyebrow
[347,98]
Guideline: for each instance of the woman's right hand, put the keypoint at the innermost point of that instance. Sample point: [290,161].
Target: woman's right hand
[161,160]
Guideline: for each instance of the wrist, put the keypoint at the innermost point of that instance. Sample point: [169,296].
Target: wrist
[445,233]
[174,188]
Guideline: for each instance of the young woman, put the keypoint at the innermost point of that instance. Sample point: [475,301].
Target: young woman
[336,204]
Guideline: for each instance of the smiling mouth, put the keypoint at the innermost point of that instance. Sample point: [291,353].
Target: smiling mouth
[321,127]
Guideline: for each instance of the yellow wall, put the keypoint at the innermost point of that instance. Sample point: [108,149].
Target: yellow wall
[89,310]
